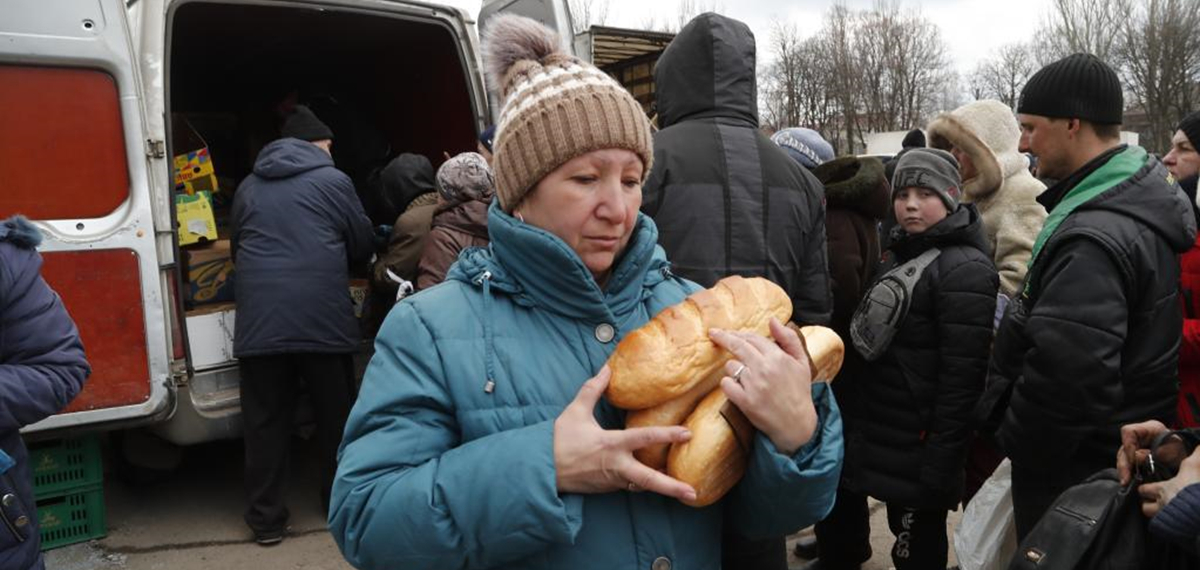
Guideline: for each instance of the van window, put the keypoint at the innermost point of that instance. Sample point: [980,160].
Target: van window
[62,147]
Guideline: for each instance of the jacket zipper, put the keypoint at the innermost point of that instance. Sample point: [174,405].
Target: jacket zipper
[1083,518]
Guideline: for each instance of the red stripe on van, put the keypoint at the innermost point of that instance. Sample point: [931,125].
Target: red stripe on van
[102,291]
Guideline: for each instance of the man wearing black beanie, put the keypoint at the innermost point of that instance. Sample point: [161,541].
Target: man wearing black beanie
[297,225]
[1092,340]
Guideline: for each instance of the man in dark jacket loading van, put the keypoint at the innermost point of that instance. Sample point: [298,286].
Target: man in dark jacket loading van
[297,224]
[728,201]
[1092,340]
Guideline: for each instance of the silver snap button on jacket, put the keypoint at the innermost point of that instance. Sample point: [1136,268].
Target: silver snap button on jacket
[8,500]
[605,333]
[661,563]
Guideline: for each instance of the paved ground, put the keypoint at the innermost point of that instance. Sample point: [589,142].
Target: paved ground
[192,521]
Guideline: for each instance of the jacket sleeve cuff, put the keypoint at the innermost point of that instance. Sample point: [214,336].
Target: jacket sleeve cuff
[796,490]
[1179,521]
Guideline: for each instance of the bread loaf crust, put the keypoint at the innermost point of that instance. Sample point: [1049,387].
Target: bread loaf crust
[715,459]
[671,413]
[672,353]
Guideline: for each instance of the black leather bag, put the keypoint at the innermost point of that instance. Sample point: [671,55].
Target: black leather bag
[1097,525]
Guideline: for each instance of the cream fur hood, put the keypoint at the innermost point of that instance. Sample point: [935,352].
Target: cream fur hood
[1003,190]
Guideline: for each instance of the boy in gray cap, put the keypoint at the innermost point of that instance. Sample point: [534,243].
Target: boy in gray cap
[908,435]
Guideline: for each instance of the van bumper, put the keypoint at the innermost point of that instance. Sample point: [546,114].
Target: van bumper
[208,408]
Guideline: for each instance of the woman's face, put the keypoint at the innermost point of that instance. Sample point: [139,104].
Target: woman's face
[966,166]
[918,209]
[591,203]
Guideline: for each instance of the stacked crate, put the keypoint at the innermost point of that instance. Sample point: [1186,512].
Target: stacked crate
[68,486]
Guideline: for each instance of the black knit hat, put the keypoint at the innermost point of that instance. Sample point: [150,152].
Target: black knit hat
[1190,125]
[1078,86]
[303,124]
[914,139]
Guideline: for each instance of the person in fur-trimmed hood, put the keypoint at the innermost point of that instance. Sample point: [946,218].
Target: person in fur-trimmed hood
[42,368]
[983,137]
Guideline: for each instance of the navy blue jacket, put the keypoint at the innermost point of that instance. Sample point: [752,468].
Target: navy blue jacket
[42,367]
[297,224]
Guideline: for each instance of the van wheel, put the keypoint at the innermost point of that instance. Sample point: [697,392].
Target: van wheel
[143,458]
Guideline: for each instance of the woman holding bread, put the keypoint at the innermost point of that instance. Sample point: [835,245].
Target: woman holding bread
[480,438]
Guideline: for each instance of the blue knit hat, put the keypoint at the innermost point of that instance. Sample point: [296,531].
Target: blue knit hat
[805,146]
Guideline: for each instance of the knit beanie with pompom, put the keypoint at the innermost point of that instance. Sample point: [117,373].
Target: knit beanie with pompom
[555,107]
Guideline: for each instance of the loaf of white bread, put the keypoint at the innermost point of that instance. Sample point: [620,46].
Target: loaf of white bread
[671,372]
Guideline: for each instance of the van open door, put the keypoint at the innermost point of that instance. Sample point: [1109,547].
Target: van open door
[73,158]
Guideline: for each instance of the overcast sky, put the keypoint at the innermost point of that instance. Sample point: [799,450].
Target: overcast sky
[972,29]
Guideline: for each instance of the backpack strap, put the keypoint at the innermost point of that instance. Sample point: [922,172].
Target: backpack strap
[910,272]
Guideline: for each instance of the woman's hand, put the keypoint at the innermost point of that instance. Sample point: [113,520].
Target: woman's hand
[1155,496]
[591,459]
[774,389]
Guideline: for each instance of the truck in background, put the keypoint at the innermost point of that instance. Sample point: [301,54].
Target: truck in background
[627,55]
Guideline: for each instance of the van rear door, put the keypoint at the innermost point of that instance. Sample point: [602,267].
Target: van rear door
[73,158]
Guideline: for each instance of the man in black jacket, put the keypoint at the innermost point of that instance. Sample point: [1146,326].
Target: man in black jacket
[296,224]
[1092,340]
[728,201]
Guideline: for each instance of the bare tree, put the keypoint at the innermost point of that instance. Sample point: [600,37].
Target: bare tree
[1004,75]
[901,58]
[1091,26]
[796,85]
[689,9]
[1160,62]
[977,82]
[881,69]
[588,13]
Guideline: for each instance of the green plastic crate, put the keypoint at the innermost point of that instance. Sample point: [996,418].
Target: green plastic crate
[72,517]
[64,465]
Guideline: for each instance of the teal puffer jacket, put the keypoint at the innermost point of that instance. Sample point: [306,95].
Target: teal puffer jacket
[448,458]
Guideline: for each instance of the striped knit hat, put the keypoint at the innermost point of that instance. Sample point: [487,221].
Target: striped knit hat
[556,107]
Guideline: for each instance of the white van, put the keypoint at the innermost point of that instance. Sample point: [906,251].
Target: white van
[86,90]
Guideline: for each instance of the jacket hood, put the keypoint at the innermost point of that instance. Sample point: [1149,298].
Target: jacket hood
[539,269]
[403,179]
[963,227]
[708,71]
[988,132]
[284,158]
[1150,198]
[856,184]
[19,231]
[469,217]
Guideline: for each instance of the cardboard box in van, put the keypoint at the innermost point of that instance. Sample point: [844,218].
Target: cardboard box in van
[194,214]
[210,274]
